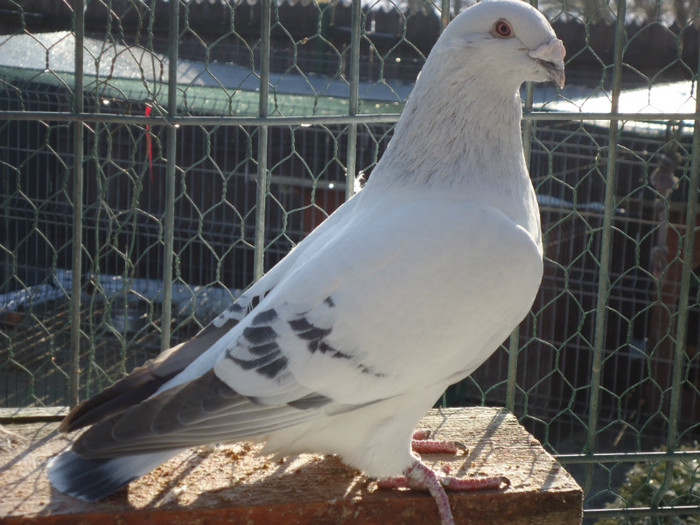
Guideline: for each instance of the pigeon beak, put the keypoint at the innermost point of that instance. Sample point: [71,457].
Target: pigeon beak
[551,57]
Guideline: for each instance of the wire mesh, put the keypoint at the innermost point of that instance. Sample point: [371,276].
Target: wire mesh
[156,157]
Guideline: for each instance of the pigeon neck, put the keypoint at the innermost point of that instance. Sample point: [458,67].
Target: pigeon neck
[456,129]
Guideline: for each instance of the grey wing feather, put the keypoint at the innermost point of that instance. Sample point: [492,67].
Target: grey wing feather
[202,411]
[148,379]
[143,381]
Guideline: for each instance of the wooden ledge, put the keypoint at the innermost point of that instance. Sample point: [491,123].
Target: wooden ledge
[232,484]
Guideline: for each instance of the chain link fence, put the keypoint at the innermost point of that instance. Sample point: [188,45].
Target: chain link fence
[157,157]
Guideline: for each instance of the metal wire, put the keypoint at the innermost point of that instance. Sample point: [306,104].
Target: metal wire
[364,118]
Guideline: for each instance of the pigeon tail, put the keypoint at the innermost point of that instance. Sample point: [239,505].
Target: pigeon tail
[93,479]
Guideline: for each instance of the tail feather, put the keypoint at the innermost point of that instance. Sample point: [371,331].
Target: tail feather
[93,479]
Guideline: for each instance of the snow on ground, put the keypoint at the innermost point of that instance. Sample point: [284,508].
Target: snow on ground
[200,301]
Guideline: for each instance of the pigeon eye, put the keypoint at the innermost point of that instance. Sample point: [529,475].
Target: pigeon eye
[502,29]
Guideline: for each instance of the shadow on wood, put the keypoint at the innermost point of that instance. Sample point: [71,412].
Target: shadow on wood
[233,484]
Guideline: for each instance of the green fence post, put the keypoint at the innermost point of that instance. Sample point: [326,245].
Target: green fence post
[605,245]
[170,174]
[77,247]
[353,98]
[679,354]
[262,177]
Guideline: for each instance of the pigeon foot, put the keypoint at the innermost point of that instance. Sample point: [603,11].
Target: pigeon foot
[421,477]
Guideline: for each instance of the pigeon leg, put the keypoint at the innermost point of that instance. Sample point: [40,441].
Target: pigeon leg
[421,477]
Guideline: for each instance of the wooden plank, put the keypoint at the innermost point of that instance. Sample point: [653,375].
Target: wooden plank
[23,415]
[232,484]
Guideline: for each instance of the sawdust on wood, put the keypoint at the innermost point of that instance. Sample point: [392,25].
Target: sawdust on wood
[237,475]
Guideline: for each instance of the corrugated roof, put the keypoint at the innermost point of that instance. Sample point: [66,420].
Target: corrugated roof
[636,11]
[378,5]
[137,74]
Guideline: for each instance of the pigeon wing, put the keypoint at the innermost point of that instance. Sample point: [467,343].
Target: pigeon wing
[149,378]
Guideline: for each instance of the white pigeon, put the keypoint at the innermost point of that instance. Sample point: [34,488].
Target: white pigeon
[407,288]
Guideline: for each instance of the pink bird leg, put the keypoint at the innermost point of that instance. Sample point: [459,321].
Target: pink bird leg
[431,446]
[421,477]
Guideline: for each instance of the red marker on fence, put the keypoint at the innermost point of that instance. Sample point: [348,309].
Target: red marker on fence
[148,143]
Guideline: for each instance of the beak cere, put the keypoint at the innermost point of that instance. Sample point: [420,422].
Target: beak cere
[551,57]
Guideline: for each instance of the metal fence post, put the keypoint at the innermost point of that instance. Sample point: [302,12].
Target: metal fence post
[444,14]
[679,354]
[688,252]
[77,247]
[605,246]
[262,177]
[353,97]
[170,174]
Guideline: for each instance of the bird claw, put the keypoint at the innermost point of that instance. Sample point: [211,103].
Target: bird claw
[461,446]
[474,484]
[422,478]
[422,433]
[422,445]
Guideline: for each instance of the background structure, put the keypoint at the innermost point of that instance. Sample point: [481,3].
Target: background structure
[157,157]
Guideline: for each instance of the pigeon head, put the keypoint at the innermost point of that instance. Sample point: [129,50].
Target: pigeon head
[461,123]
[510,38]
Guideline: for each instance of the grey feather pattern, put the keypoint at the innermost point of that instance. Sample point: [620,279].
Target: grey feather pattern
[202,411]
[145,380]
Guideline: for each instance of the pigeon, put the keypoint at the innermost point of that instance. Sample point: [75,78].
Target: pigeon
[406,288]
